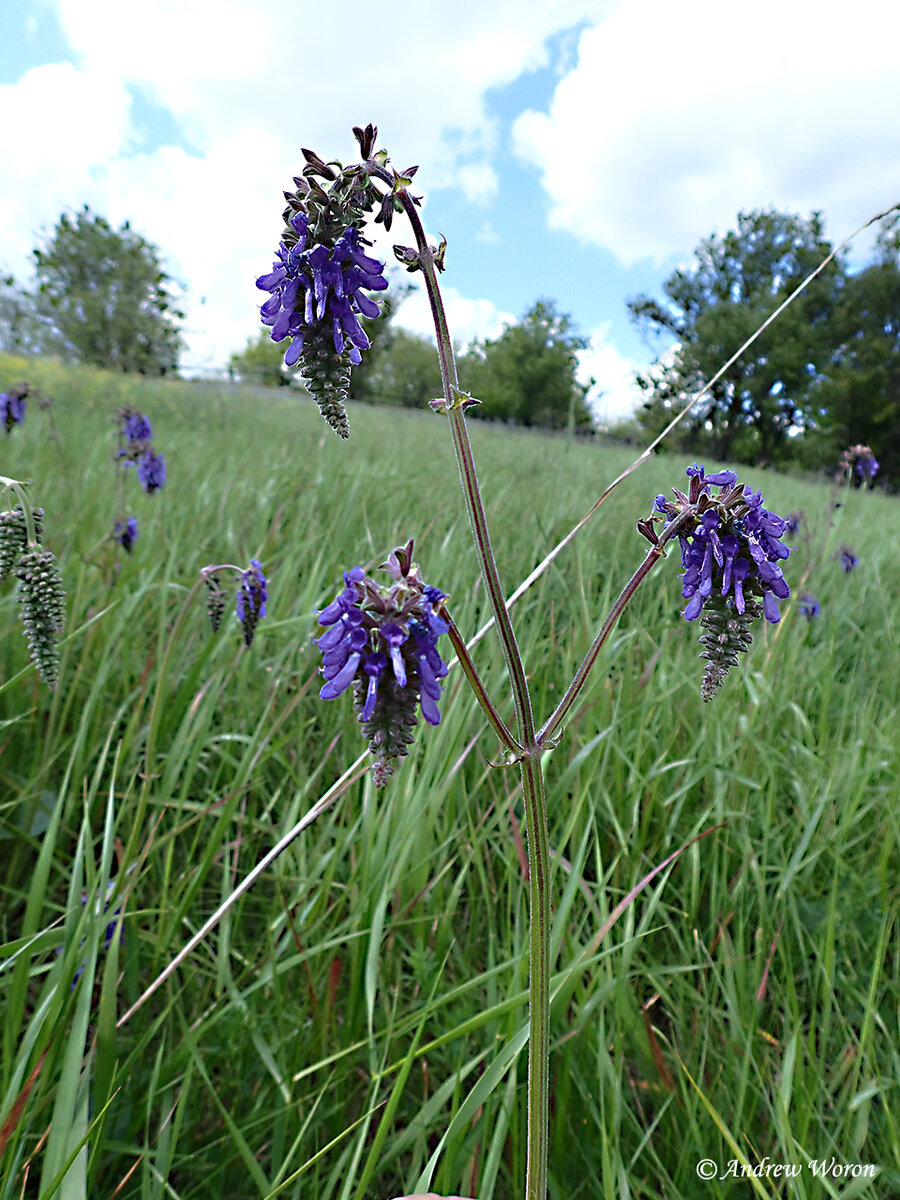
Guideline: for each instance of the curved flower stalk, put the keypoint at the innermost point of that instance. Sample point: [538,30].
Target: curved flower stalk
[249,598]
[382,640]
[730,549]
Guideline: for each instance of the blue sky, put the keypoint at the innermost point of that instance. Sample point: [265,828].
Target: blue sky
[572,149]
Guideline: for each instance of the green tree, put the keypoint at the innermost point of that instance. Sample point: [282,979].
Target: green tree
[402,369]
[755,411]
[527,374]
[20,330]
[105,298]
[262,362]
[858,398]
[375,380]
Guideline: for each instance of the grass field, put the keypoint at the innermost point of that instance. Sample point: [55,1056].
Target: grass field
[355,1025]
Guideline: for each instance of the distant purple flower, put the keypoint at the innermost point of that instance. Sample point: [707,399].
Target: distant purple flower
[110,933]
[792,523]
[126,533]
[251,599]
[12,407]
[866,466]
[136,426]
[382,639]
[809,606]
[847,558]
[859,461]
[151,470]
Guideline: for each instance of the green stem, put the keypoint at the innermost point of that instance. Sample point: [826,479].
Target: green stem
[14,485]
[539,978]
[550,729]
[478,689]
[529,752]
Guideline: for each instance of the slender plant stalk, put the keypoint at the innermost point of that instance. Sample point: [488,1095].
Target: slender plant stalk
[551,726]
[529,754]
[480,692]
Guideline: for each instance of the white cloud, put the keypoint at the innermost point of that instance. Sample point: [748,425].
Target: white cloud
[56,124]
[478,182]
[614,395]
[467,319]
[678,116]
[246,84]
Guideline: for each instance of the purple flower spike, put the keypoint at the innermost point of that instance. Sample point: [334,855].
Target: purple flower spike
[12,406]
[731,550]
[809,606]
[382,639]
[319,283]
[136,426]
[126,533]
[151,471]
[251,599]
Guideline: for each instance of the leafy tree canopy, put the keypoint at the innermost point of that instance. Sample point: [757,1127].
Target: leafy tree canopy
[528,374]
[824,376]
[261,362]
[736,281]
[104,297]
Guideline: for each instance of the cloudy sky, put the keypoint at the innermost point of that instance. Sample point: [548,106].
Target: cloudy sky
[574,149]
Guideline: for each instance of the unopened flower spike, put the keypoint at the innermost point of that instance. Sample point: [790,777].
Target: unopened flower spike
[381,638]
[39,590]
[319,283]
[249,599]
[42,609]
[730,550]
[14,536]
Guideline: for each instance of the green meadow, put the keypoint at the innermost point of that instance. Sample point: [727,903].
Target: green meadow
[726,950]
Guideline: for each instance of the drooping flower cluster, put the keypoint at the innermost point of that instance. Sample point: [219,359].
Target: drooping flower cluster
[318,281]
[859,464]
[382,639]
[12,406]
[250,598]
[731,548]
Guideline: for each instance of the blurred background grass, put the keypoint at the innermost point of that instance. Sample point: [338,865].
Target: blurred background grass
[355,1025]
